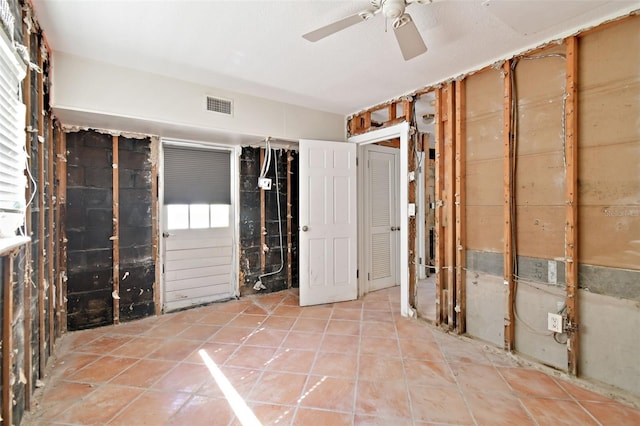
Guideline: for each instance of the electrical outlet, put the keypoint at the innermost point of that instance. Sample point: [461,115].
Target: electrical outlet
[411,209]
[264,183]
[555,322]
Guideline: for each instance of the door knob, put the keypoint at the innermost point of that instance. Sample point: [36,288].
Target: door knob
[166,234]
[393,228]
[305,228]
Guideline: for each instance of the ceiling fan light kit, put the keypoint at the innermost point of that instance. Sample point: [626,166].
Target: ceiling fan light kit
[407,34]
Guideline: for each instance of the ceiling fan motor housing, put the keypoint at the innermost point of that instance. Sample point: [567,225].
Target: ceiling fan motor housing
[393,9]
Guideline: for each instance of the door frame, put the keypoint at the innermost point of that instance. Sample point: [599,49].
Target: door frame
[401,131]
[235,152]
[366,213]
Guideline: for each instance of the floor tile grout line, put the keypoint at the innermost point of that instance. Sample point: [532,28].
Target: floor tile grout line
[574,399]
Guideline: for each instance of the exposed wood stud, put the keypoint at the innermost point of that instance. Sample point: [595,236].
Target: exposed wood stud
[449,206]
[412,224]
[263,221]
[59,276]
[62,237]
[509,314]
[155,238]
[392,109]
[116,233]
[460,213]
[367,121]
[571,209]
[50,246]
[439,220]
[7,339]
[407,110]
[28,270]
[289,230]
[41,222]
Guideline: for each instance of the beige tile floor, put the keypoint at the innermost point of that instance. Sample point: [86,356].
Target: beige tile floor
[352,363]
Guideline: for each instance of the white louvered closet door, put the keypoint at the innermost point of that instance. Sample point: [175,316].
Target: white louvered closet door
[383,219]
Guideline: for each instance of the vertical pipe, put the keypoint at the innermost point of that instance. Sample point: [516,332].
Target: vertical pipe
[116,234]
[461,302]
[509,314]
[571,209]
[7,339]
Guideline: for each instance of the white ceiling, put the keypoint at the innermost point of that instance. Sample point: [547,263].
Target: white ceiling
[255,47]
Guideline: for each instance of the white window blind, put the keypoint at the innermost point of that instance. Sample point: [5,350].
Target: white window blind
[12,140]
[196,176]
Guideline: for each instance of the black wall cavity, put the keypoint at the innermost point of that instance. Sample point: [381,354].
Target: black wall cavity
[89,224]
[251,229]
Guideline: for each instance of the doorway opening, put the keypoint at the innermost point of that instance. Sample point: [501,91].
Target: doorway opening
[198,223]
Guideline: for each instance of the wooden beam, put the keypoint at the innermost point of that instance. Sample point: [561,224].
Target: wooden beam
[62,236]
[449,205]
[412,223]
[58,227]
[116,233]
[366,126]
[460,189]
[263,221]
[508,264]
[155,237]
[571,209]
[52,235]
[391,143]
[393,111]
[407,110]
[28,270]
[7,339]
[289,230]
[439,217]
[42,252]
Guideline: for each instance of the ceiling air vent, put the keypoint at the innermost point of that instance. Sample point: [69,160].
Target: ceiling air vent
[220,105]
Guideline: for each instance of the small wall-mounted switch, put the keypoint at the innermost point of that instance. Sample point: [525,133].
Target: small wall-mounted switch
[411,209]
[264,183]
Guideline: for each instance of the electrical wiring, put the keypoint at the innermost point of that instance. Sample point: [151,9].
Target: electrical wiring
[513,155]
[267,162]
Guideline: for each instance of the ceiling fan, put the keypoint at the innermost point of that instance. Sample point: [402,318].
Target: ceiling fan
[409,39]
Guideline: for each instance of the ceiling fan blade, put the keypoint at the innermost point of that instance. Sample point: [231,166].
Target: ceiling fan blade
[340,25]
[409,38]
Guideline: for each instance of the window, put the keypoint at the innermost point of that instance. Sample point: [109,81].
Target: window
[12,140]
[197,216]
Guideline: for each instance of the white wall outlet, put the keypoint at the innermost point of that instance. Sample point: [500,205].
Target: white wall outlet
[555,322]
[412,176]
[264,183]
[411,209]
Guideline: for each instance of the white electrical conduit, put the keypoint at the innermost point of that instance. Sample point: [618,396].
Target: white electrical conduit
[264,170]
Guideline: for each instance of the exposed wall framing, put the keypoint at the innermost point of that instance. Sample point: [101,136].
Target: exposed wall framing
[571,211]
[509,315]
[460,205]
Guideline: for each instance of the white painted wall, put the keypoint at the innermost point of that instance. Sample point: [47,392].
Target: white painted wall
[85,90]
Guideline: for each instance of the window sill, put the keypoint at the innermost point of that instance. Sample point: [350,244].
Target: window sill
[8,244]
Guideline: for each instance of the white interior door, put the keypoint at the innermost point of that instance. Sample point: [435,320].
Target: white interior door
[382,217]
[328,222]
[198,237]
